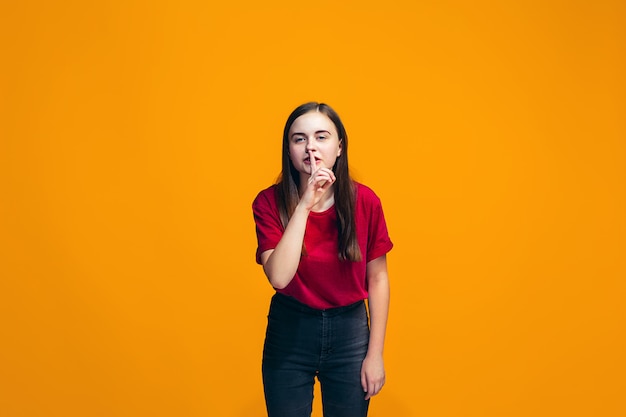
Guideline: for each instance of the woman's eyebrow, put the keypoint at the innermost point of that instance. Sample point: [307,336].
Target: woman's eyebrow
[304,134]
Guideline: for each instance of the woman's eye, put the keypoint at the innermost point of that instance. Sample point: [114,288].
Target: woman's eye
[322,137]
[298,140]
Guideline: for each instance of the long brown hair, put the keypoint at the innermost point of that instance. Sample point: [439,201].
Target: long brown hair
[345,190]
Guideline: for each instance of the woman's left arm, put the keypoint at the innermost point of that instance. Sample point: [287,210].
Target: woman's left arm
[373,369]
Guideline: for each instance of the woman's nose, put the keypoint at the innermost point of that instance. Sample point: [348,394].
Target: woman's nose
[310,144]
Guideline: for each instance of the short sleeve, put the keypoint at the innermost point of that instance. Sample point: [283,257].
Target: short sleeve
[269,228]
[378,241]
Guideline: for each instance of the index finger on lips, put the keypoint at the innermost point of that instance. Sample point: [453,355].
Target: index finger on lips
[312,163]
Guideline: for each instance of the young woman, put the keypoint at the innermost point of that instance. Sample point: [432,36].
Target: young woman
[322,241]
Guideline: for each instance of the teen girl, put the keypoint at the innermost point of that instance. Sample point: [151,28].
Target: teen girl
[322,241]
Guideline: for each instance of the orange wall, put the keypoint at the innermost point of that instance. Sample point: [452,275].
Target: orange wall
[135,134]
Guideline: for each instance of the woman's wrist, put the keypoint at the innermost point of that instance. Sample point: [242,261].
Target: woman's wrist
[301,208]
[374,353]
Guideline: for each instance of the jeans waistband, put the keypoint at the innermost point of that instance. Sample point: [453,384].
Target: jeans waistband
[294,304]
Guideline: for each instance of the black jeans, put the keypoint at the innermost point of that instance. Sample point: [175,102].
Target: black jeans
[301,343]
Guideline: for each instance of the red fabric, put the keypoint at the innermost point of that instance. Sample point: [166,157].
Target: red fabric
[322,280]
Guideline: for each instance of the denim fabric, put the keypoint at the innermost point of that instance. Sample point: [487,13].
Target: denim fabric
[302,343]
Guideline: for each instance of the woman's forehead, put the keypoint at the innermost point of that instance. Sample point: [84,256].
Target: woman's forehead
[312,122]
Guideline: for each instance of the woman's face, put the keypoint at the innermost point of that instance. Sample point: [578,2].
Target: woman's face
[313,135]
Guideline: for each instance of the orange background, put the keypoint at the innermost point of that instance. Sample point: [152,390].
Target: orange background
[134,136]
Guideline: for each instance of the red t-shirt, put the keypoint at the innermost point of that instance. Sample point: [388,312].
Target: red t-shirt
[322,279]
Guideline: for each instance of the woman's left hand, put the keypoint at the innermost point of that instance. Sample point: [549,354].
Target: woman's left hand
[372,375]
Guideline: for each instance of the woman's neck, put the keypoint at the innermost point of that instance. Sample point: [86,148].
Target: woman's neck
[326,202]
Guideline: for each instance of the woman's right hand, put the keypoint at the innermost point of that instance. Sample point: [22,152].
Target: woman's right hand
[320,181]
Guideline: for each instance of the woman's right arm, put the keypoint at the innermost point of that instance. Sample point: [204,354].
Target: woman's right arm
[280,264]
